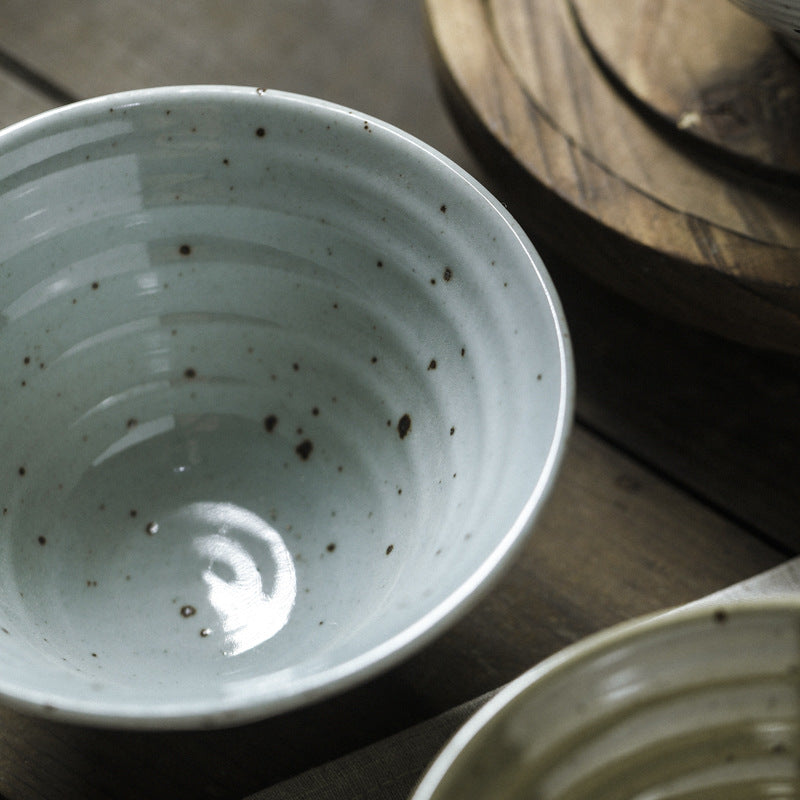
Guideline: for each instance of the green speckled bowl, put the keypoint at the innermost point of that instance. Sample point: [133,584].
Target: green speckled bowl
[283,390]
[702,703]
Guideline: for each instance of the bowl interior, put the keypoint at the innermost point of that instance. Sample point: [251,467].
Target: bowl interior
[695,704]
[282,387]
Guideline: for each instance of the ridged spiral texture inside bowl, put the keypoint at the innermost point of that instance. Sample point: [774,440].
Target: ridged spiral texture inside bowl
[707,708]
[278,385]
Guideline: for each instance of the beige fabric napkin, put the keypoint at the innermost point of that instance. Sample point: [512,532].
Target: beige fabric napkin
[390,769]
[387,770]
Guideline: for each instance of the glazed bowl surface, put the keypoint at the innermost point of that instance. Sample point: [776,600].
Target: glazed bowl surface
[700,702]
[283,392]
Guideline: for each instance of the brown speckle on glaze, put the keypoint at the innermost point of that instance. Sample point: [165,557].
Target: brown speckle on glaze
[331,547]
[91,584]
[404,426]
[447,274]
[42,541]
[185,249]
[720,616]
[452,430]
[296,366]
[5,631]
[443,208]
[26,360]
[432,364]
[133,512]
[22,471]
[304,449]
[463,352]
[132,423]
[270,421]
[190,373]
[380,264]
[261,132]
[226,161]
[188,611]
[389,549]
[433,281]
[95,285]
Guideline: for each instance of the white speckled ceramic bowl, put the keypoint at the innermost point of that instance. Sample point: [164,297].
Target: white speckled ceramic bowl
[783,16]
[283,389]
[697,703]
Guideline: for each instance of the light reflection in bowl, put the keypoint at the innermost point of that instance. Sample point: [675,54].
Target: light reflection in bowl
[249,613]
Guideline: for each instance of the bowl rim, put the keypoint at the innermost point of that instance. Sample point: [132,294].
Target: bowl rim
[501,704]
[251,701]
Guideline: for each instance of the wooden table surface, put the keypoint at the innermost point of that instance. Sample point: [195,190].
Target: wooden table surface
[681,476]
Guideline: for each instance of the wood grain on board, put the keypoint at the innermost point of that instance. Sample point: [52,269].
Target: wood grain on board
[708,71]
[674,229]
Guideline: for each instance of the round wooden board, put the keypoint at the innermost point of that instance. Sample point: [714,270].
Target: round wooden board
[704,69]
[597,181]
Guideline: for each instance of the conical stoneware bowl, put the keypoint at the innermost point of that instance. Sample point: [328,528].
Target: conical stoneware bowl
[283,390]
[700,703]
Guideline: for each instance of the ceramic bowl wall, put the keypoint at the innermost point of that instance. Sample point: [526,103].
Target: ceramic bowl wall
[282,390]
[698,703]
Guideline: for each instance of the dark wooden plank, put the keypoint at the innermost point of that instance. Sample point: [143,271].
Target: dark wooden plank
[369,55]
[615,541]
[19,99]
